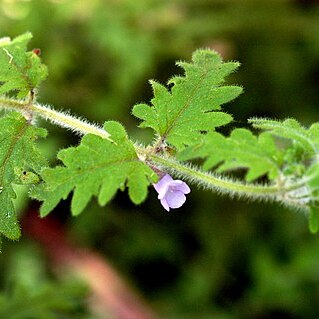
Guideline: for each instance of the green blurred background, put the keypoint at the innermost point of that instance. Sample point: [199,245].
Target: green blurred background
[216,257]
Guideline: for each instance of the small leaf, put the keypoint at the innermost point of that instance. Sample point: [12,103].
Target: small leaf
[97,167]
[20,70]
[314,219]
[180,115]
[312,175]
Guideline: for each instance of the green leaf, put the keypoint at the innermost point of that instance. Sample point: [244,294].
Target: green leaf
[307,139]
[314,219]
[97,167]
[20,71]
[180,116]
[240,150]
[17,151]
[312,175]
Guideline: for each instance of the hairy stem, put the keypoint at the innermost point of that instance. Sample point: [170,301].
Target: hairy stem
[77,125]
[215,182]
[221,184]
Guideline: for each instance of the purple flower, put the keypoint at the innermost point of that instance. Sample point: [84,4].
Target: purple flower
[171,192]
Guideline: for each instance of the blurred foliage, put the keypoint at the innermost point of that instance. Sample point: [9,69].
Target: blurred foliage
[215,258]
[29,293]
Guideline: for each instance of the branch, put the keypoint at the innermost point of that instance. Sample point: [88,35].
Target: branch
[278,192]
[80,126]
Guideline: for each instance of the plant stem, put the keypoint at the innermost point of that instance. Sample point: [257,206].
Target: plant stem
[77,125]
[219,183]
[279,192]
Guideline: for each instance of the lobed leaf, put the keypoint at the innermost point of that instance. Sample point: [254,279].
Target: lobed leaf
[307,139]
[240,150]
[20,71]
[192,106]
[97,167]
[17,153]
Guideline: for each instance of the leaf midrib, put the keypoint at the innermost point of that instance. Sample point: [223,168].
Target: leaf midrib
[185,106]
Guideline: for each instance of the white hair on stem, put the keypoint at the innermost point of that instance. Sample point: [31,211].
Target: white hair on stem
[78,125]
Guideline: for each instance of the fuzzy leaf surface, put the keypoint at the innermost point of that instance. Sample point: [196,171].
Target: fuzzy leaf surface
[241,149]
[192,105]
[307,139]
[97,167]
[17,153]
[20,70]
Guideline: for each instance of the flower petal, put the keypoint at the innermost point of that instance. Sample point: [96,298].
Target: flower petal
[180,186]
[175,199]
[165,204]
[162,184]
[162,191]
